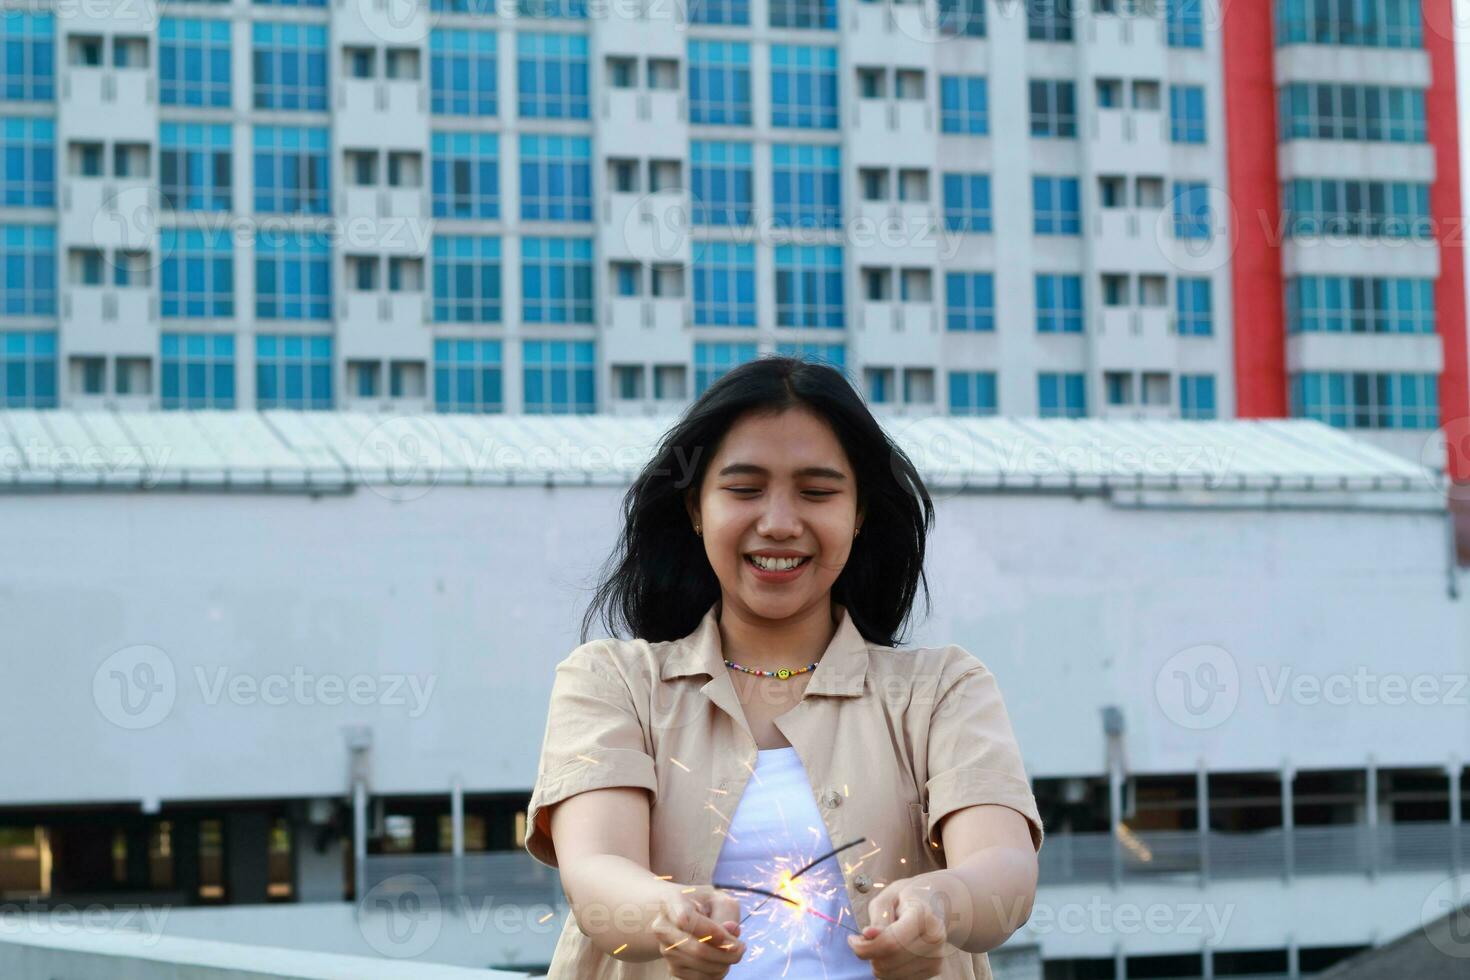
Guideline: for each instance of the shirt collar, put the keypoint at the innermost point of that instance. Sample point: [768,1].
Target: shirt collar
[841,670]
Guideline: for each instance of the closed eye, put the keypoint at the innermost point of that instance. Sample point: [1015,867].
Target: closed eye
[818,493]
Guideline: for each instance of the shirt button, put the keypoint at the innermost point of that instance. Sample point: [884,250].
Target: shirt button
[832,799]
[863,882]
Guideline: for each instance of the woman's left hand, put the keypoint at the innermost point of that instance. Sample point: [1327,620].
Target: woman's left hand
[913,940]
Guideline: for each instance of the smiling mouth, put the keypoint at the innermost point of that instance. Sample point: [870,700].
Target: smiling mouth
[779,565]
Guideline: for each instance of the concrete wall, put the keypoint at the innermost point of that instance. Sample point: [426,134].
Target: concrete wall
[213,646]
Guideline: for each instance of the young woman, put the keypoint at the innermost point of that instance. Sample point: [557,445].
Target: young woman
[695,779]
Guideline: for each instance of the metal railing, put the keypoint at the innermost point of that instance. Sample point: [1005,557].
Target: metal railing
[1356,848]
[501,877]
[513,877]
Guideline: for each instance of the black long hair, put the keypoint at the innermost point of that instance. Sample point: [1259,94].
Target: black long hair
[658,583]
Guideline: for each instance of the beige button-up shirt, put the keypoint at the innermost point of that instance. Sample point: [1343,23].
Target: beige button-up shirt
[892,740]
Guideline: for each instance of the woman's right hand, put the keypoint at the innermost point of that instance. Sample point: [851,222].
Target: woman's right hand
[689,914]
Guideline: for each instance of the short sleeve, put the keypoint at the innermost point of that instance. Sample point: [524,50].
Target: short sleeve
[594,740]
[973,755]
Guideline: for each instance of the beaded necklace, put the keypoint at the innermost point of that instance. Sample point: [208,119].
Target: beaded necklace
[783,673]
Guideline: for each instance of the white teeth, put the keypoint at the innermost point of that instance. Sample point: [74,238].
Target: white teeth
[776,564]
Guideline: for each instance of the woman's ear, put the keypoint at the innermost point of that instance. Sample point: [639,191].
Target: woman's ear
[691,507]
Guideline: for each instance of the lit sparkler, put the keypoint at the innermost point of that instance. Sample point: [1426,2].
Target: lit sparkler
[788,891]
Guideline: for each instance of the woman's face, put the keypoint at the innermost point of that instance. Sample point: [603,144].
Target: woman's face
[779,485]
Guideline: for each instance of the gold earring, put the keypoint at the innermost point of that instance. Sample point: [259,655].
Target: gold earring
[696,529]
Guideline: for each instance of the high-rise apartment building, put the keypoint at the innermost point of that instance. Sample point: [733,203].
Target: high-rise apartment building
[1050,207]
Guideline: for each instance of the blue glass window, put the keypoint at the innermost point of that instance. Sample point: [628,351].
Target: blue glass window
[559,377]
[972,393]
[28,256]
[1053,107]
[719,83]
[28,152]
[197,277]
[28,368]
[724,285]
[969,301]
[290,63]
[293,371]
[1057,207]
[962,18]
[1061,395]
[194,160]
[967,202]
[719,12]
[806,186]
[1374,113]
[466,279]
[556,280]
[803,87]
[28,47]
[293,275]
[1187,113]
[196,370]
[1184,24]
[1366,399]
[552,9]
[468,376]
[556,178]
[1050,20]
[462,73]
[466,175]
[1359,23]
[809,291]
[1192,209]
[1372,208]
[194,62]
[1193,307]
[291,169]
[964,105]
[721,183]
[552,73]
[712,360]
[1359,304]
[1058,303]
[819,14]
[1196,396]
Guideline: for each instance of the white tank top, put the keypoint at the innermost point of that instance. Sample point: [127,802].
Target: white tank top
[776,827]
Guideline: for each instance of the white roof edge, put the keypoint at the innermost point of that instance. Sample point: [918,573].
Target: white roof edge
[312,451]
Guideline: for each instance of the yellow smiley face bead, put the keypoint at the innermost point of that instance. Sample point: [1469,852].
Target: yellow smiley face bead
[784,673]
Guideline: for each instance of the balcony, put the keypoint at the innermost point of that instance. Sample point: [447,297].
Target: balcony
[897,333]
[644,124]
[900,132]
[1129,338]
[646,226]
[1159,854]
[110,319]
[109,212]
[382,324]
[108,103]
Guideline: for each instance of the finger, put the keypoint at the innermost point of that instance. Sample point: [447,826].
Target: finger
[718,944]
[726,911]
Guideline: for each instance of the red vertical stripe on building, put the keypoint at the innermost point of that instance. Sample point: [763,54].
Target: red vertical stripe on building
[1441,110]
[1255,222]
